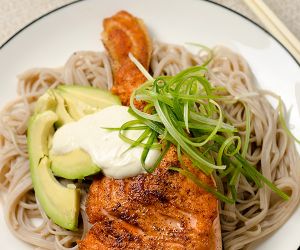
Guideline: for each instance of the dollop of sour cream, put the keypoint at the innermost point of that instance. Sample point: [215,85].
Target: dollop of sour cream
[106,149]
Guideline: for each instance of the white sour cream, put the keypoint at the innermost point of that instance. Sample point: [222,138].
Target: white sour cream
[105,147]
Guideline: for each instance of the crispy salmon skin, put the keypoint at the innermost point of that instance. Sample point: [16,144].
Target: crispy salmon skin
[162,210]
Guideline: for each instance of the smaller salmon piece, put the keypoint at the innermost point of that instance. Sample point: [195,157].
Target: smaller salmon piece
[124,33]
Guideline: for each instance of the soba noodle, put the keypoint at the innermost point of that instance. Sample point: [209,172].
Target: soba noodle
[257,213]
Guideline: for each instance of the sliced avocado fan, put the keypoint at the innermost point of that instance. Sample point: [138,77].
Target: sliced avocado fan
[55,108]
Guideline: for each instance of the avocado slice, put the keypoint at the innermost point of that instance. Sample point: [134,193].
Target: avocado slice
[46,102]
[63,115]
[60,203]
[75,107]
[74,165]
[79,101]
[92,96]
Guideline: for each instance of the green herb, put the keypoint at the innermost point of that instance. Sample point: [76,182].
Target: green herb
[186,110]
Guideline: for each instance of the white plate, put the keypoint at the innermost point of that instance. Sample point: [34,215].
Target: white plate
[50,41]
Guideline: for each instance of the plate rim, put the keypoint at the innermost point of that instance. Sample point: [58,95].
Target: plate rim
[208,1]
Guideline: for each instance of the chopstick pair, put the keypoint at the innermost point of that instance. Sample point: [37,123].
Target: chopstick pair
[275,26]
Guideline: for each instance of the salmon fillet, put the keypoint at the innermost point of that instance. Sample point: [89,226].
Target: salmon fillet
[162,210]
[122,34]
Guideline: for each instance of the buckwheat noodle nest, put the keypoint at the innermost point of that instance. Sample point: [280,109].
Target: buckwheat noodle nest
[257,213]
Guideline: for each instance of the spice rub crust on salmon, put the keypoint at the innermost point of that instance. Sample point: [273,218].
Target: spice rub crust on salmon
[162,210]
[124,33]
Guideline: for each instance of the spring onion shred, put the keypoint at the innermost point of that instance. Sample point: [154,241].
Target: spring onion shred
[140,67]
[247,135]
[205,48]
[282,121]
[186,110]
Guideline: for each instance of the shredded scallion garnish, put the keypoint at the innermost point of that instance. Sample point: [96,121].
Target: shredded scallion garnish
[186,110]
